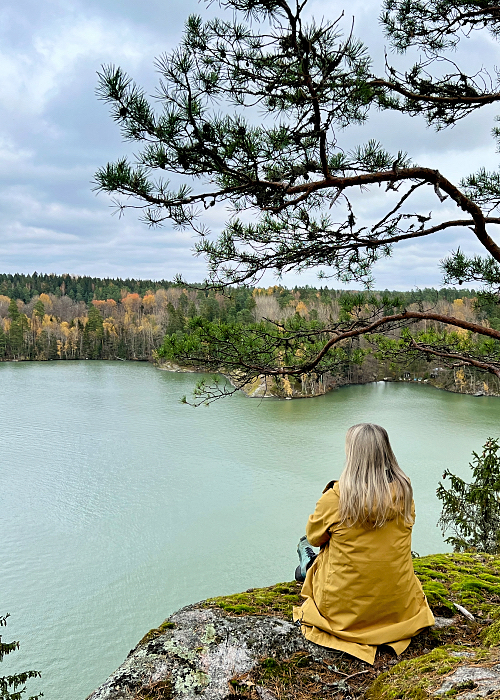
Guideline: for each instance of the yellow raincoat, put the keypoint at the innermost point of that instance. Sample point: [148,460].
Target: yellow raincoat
[361,590]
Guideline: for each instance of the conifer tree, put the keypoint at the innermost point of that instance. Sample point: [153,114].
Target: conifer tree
[13,687]
[472,511]
[289,170]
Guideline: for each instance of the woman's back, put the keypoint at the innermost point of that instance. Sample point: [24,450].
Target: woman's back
[364,574]
[361,590]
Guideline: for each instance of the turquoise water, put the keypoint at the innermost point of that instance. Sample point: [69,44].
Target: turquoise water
[119,504]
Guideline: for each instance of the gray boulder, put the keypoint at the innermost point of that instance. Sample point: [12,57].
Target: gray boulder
[477,680]
[202,651]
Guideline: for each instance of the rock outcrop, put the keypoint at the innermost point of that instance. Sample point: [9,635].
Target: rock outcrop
[245,647]
[201,653]
[287,387]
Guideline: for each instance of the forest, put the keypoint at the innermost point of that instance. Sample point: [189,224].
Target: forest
[52,317]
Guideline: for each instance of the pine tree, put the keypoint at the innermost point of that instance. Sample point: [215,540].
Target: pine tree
[291,171]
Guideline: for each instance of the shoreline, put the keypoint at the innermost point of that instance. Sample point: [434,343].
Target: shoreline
[269,393]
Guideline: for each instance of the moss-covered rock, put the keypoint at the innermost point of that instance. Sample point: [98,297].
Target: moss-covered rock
[277,600]
[471,580]
[419,678]
[157,631]
[250,636]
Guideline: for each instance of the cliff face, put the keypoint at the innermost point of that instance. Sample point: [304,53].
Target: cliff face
[459,380]
[245,647]
[290,387]
[308,386]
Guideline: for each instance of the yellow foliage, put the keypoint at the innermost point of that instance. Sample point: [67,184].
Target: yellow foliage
[485,387]
[460,377]
[132,302]
[46,300]
[109,327]
[148,301]
[301,309]
[458,303]
[287,386]
[65,329]
[49,322]
[4,299]
[59,347]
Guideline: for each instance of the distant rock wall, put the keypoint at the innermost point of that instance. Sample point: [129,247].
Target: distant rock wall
[290,387]
[456,380]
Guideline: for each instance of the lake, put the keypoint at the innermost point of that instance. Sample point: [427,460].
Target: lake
[119,504]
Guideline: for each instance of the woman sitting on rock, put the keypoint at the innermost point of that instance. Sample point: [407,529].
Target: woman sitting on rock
[360,590]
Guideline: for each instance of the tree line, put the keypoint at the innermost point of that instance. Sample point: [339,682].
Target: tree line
[76,287]
[52,326]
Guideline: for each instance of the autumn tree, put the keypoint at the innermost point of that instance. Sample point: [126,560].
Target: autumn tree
[288,168]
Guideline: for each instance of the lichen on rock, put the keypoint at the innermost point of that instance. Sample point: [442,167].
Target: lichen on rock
[245,647]
[202,654]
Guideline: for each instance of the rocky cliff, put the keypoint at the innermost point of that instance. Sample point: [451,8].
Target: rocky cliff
[245,647]
[457,380]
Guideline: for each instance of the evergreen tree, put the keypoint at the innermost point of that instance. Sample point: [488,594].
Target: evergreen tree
[3,341]
[39,310]
[93,334]
[289,167]
[13,687]
[472,511]
[19,325]
[13,311]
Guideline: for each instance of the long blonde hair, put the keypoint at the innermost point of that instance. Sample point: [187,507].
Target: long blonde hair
[373,487]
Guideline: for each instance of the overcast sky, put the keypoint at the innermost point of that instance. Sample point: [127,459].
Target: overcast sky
[54,134]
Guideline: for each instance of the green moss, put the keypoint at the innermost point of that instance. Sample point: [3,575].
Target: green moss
[471,580]
[157,631]
[437,596]
[491,635]
[413,679]
[466,685]
[275,600]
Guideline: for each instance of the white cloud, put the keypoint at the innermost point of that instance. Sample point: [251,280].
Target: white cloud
[54,134]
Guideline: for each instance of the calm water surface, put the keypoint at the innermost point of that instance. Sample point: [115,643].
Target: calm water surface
[119,504]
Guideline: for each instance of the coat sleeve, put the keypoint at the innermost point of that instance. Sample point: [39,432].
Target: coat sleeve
[325,515]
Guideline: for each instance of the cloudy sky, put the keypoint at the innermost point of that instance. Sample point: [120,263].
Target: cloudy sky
[54,134]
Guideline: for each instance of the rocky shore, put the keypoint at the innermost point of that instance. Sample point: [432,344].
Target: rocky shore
[245,647]
[312,384]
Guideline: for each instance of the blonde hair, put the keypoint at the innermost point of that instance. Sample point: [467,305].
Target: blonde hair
[373,487]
